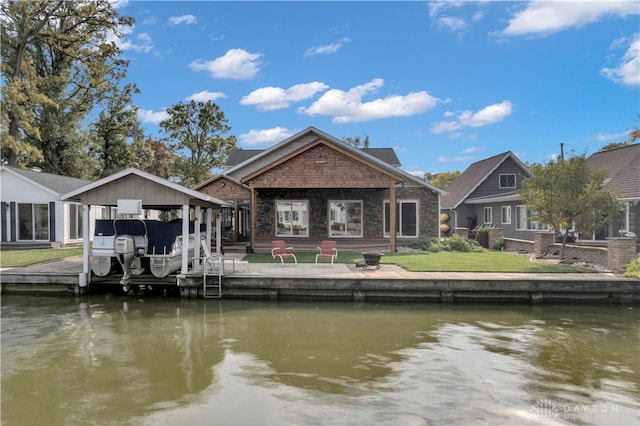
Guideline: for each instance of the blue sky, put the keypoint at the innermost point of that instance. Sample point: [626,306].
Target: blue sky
[443,83]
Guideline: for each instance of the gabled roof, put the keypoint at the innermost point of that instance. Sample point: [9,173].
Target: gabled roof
[362,154]
[190,193]
[216,178]
[388,155]
[55,184]
[622,166]
[238,156]
[473,176]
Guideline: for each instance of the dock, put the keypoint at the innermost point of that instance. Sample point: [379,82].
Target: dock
[276,281]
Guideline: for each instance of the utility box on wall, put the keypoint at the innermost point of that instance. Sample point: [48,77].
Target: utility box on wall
[133,207]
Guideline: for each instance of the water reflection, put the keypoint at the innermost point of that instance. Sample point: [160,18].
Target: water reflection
[167,361]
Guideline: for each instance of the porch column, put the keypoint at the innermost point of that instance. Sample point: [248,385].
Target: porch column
[392,218]
[197,250]
[85,276]
[254,217]
[185,239]
[209,219]
[236,224]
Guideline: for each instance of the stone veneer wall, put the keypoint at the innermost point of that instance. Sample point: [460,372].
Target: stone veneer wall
[372,204]
[593,255]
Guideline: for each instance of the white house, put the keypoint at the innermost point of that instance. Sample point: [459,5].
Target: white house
[32,212]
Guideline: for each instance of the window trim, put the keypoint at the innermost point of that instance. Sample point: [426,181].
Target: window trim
[361,203]
[484,215]
[507,174]
[399,234]
[504,209]
[79,212]
[305,226]
[33,222]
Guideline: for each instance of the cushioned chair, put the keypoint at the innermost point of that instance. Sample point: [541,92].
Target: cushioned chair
[327,250]
[279,249]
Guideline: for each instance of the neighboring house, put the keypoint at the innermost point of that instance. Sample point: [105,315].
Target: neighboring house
[312,187]
[622,166]
[486,193]
[32,212]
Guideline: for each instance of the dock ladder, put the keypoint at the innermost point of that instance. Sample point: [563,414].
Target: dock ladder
[212,267]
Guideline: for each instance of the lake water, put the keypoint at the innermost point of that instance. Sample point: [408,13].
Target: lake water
[106,360]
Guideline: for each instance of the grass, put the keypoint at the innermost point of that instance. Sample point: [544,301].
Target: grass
[17,258]
[485,261]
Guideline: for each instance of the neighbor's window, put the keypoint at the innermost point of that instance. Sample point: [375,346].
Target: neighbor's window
[292,218]
[488,215]
[75,221]
[33,222]
[524,221]
[406,218]
[505,213]
[508,180]
[345,218]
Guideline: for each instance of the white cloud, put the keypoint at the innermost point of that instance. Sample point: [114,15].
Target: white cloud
[205,96]
[183,19]
[150,116]
[348,106]
[266,137]
[547,17]
[141,42]
[628,71]
[272,98]
[488,115]
[457,159]
[236,64]
[472,150]
[601,137]
[452,23]
[327,49]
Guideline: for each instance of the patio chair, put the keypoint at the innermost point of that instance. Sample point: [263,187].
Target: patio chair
[279,249]
[328,250]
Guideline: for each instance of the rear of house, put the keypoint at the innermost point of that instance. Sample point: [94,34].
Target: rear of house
[313,186]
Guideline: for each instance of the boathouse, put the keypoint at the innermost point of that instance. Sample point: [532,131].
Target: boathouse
[133,187]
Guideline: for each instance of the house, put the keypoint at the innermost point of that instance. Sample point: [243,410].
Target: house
[313,186]
[622,166]
[31,209]
[486,193]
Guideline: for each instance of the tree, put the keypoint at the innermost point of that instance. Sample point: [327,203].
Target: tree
[116,123]
[634,135]
[356,141]
[564,193]
[196,132]
[442,180]
[56,63]
[153,156]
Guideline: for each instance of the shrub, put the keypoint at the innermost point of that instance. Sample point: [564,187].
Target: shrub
[482,236]
[426,244]
[457,243]
[633,268]
[498,244]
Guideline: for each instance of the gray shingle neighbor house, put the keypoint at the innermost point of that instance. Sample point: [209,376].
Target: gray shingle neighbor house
[486,193]
[31,211]
[622,166]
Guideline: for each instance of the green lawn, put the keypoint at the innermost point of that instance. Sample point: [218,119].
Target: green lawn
[16,258]
[486,261]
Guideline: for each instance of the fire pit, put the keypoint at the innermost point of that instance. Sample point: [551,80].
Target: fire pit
[371,258]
